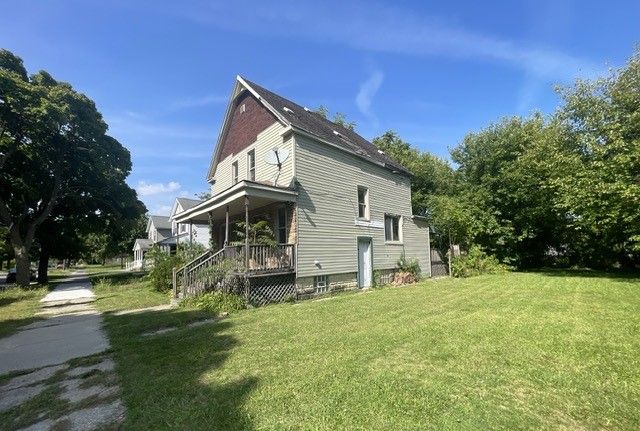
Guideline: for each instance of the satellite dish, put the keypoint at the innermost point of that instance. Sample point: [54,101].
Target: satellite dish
[276,156]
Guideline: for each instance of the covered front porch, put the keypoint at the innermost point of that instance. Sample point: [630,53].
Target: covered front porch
[253,226]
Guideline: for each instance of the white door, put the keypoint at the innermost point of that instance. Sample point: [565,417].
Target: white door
[364,262]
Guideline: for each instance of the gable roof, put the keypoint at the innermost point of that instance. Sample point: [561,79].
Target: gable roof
[302,119]
[144,243]
[159,222]
[187,203]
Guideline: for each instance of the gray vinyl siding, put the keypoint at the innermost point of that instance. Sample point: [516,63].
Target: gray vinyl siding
[327,183]
[267,139]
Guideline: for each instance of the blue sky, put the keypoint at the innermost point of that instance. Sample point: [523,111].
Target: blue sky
[161,72]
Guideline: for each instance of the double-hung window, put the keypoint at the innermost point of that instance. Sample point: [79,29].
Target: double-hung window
[363,203]
[391,227]
[234,172]
[251,165]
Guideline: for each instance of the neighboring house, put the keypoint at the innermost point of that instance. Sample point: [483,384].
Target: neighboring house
[158,233]
[339,207]
[166,234]
[188,232]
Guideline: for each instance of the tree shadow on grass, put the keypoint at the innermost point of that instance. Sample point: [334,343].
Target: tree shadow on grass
[613,275]
[173,380]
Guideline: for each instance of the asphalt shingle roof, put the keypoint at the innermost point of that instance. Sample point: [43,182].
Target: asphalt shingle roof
[187,203]
[161,222]
[315,124]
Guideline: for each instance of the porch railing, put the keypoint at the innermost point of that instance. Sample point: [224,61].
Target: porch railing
[265,258]
[199,274]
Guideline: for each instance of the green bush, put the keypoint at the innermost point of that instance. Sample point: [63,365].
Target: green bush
[216,302]
[475,262]
[408,265]
[161,274]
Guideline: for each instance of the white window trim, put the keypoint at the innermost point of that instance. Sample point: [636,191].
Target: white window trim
[235,173]
[399,241]
[367,208]
[249,169]
[321,283]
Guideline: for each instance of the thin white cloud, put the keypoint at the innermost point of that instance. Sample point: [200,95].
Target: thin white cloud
[149,189]
[160,209]
[384,28]
[197,102]
[367,92]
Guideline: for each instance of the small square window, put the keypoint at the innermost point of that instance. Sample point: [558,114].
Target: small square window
[320,283]
[363,202]
[234,172]
[391,227]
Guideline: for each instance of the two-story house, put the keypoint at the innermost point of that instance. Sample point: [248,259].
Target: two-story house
[164,233]
[189,233]
[339,207]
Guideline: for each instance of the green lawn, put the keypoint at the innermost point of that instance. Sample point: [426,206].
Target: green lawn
[513,351]
[118,290]
[18,307]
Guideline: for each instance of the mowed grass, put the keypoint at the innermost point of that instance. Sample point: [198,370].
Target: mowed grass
[120,290]
[18,307]
[513,351]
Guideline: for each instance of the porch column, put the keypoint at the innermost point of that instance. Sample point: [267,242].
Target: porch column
[226,227]
[177,235]
[190,232]
[246,233]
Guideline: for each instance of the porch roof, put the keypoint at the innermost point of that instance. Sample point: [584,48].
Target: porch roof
[259,195]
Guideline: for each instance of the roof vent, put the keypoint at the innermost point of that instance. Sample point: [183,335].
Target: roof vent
[290,111]
[335,132]
[380,151]
[307,109]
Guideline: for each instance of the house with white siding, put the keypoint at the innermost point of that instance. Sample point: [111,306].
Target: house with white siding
[163,232]
[338,207]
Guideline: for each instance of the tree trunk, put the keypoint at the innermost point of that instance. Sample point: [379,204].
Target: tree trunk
[23,267]
[43,267]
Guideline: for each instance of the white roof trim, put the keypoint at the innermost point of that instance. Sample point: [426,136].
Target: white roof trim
[235,93]
[243,188]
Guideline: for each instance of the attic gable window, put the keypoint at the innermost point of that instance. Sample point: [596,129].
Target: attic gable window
[234,172]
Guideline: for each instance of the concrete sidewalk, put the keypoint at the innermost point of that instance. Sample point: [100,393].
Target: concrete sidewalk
[72,329]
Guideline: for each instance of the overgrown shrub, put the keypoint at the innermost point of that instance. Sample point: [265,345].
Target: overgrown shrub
[161,274]
[409,265]
[216,302]
[475,262]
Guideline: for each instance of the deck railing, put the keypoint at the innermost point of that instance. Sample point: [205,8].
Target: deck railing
[200,274]
[264,259]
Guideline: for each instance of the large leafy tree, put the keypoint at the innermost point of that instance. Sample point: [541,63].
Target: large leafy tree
[600,187]
[54,150]
[431,175]
[507,167]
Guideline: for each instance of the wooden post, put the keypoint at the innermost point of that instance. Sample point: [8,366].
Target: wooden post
[226,227]
[175,284]
[450,253]
[246,233]
[190,232]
